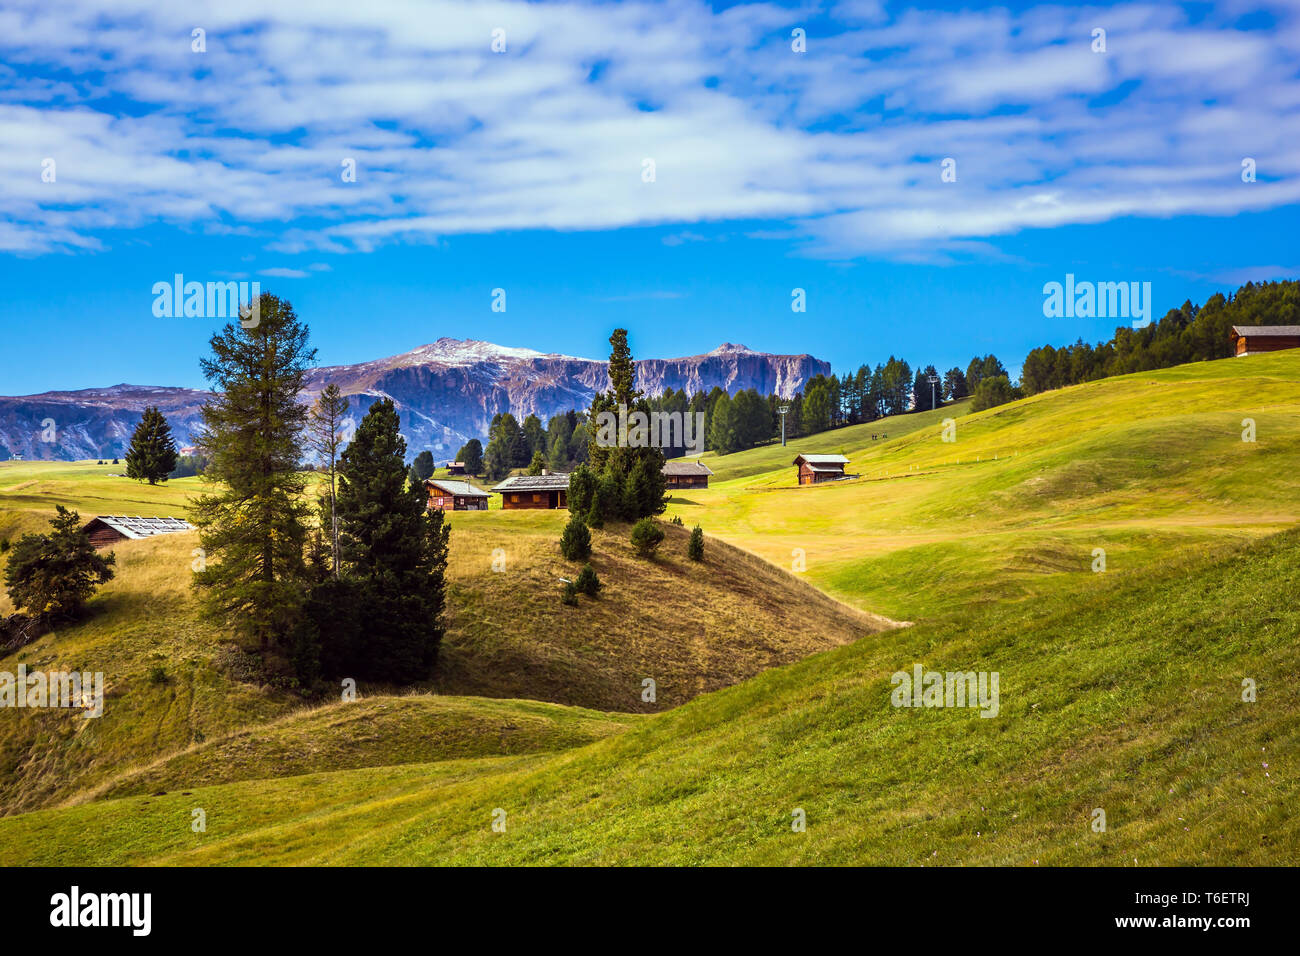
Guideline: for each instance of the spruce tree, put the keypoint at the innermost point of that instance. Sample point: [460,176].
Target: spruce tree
[52,575]
[394,549]
[152,455]
[695,547]
[575,542]
[253,526]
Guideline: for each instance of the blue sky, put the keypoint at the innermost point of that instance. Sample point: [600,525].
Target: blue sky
[774,169]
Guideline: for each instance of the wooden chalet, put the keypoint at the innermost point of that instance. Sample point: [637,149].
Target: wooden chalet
[454,495]
[814,469]
[534,491]
[455,468]
[686,474]
[106,530]
[1253,339]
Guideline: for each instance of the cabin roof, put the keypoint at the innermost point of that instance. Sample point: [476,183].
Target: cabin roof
[1266,331]
[686,468]
[821,460]
[455,487]
[534,483]
[135,527]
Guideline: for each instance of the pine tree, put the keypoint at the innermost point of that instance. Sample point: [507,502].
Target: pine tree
[647,536]
[695,547]
[253,527]
[588,581]
[575,542]
[538,464]
[325,435]
[52,575]
[471,456]
[423,465]
[152,455]
[394,549]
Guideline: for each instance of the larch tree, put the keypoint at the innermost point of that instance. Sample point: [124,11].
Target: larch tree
[253,525]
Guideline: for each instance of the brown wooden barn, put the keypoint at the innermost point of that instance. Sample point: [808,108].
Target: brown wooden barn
[534,491]
[1253,339]
[814,469]
[455,495]
[107,530]
[455,468]
[686,474]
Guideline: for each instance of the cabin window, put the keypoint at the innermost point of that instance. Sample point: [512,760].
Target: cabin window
[537,499]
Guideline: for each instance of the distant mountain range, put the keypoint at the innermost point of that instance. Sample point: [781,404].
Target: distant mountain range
[446,392]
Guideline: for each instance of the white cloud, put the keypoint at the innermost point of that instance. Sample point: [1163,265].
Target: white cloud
[842,143]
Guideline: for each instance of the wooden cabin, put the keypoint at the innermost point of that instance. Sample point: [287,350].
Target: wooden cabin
[534,491]
[107,530]
[1253,339]
[455,468]
[686,474]
[814,469]
[454,495]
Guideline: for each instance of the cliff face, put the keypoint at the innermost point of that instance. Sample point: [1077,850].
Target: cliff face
[446,392]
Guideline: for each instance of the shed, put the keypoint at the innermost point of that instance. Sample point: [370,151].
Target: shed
[814,469]
[534,491]
[686,474]
[455,495]
[1253,339]
[105,530]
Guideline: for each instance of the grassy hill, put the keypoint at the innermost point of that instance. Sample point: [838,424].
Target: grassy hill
[176,685]
[1141,466]
[1127,698]
[1120,690]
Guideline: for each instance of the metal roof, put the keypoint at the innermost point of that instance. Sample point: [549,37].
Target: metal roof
[686,468]
[135,527]
[821,459]
[455,487]
[1266,330]
[534,483]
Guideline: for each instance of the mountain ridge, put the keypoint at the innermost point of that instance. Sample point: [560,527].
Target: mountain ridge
[447,392]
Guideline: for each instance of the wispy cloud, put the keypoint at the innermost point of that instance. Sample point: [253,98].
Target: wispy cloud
[842,143]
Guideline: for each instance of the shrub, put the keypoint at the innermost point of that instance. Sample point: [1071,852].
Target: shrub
[647,536]
[4,545]
[695,547]
[575,542]
[55,574]
[677,520]
[157,675]
[570,596]
[588,583]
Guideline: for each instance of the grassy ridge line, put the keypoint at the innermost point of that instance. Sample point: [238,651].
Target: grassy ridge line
[1125,695]
[370,732]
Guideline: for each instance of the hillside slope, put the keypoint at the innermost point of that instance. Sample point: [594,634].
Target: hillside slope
[1141,466]
[173,680]
[1125,696]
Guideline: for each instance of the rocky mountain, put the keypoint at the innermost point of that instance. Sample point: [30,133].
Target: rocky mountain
[447,392]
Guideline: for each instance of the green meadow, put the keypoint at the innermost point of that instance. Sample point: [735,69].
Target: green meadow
[1121,690]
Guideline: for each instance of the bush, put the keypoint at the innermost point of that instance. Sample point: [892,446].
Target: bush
[695,548]
[647,536]
[677,520]
[588,583]
[575,542]
[54,574]
[157,675]
[991,392]
[570,596]
[4,545]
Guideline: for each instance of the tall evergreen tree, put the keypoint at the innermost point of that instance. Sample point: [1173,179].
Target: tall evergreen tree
[253,526]
[394,549]
[152,455]
[471,456]
[423,465]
